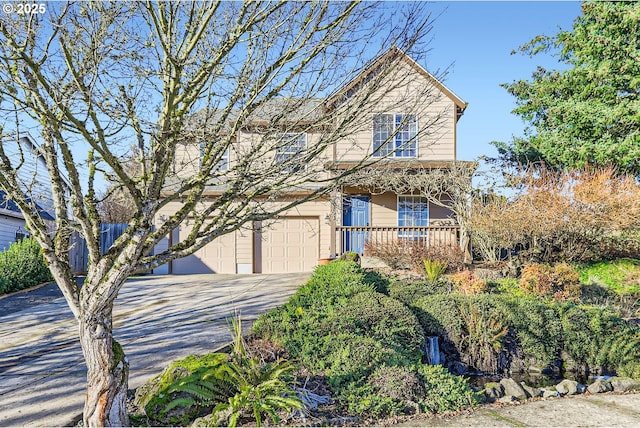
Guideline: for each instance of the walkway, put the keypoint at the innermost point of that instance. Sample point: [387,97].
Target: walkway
[157,319]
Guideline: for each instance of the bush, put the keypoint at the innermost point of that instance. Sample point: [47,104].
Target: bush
[22,266]
[350,358]
[445,392]
[466,282]
[597,339]
[331,284]
[382,318]
[409,255]
[449,255]
[398,383]
[560,282]
[409,292]
[396,254]
[575,216]
[537,327]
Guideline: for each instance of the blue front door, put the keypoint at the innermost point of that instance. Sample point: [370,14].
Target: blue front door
[355,212]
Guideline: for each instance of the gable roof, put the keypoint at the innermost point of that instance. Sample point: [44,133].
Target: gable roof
[397,54]
[9,205]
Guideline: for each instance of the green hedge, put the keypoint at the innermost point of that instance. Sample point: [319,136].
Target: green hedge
[340,326]
[489,331]
[22,266]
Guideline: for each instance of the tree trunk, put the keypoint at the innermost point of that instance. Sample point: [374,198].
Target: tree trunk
[107,373]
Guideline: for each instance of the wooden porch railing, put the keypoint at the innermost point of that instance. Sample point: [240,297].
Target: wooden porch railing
[354,238]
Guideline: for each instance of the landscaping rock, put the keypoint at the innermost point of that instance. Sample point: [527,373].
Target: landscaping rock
[513,388]
[567,387]
[507,399]
[600,385]
[457,368]
[493,391]
[550,393]
[531,390]
[624,384]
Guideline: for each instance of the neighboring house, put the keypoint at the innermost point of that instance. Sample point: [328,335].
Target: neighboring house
[34,178]
[323,228]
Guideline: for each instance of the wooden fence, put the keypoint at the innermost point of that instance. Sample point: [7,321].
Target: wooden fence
[79,253]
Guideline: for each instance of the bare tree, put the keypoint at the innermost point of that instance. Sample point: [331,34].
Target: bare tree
[445,184]
[116,204]
[183,82]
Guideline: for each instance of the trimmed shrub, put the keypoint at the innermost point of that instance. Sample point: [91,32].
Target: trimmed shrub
[22,266]
[444,392]
[537,327]
[350,358]
[410,292]
[597,339]
[332,284]
[382,318]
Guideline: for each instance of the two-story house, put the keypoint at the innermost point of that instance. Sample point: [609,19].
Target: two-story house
[351,216]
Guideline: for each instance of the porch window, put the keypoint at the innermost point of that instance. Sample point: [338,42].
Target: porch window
[412,211]
[395,135]
[291,146]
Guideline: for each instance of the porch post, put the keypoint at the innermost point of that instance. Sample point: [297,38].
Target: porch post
[336,207]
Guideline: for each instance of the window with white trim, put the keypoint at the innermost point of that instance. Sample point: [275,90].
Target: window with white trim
[395,135]
[412,211]
[223,162]
[291,146]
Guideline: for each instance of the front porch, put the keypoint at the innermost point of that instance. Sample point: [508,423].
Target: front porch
[356,238]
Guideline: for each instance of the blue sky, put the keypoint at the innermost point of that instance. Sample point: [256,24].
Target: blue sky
[476,39]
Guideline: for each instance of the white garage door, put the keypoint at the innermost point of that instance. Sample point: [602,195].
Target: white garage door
[216,257]
[290,245]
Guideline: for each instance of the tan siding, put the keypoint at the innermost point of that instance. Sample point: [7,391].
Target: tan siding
[440,216]
[384,210]
[438,143]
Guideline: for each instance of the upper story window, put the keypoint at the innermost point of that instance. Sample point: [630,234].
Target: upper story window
[223,163]
[395,135]
[291,146]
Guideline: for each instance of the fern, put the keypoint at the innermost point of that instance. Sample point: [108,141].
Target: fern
[205,387]
[261,389]
[179,402]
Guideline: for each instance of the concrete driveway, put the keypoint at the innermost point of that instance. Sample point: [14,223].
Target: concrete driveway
[157,319]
